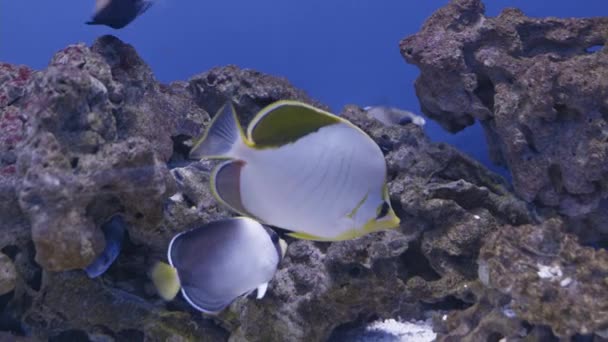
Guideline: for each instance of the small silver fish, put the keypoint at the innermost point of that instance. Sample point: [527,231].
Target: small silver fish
[394,116]
[219,262]
[118,13]
[299,168]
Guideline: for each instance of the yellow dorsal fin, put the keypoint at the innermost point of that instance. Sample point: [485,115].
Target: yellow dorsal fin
[284,122]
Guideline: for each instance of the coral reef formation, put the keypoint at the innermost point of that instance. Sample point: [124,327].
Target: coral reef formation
[94,135]
[550,278]
[8,275]
[539,86]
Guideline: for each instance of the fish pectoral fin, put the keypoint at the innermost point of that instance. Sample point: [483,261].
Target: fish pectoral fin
[101,4]
[226,185]
[144,7]
[261,290]
[284,122]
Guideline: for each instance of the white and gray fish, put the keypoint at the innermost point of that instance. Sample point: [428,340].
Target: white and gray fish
[219,262]
[118,13]
[301,169]
[394,116]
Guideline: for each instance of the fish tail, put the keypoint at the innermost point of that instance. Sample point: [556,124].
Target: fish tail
[166,280]
[222,138]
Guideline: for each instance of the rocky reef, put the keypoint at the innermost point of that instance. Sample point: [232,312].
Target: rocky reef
[95,135]
[538,86]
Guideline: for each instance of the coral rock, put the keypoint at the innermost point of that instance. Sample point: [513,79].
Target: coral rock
[538,87]
[94,309]
[550,278]
[8,274]
[249,90]
[94,149]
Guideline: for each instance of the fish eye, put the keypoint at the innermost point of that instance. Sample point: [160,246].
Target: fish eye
[383,210]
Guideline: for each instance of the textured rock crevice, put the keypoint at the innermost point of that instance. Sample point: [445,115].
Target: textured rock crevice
[538,87]
[549,277]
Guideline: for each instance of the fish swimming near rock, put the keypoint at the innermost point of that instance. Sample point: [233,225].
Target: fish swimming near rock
[219,262]
[301,169]
[114,232]
[118,13]
[394,116]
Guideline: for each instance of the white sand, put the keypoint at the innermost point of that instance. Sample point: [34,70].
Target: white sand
[404,331]
[391,330]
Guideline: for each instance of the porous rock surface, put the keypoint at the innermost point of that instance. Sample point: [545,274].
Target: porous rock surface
[550,278]
[8,274]
[539,87]
[249,90]
[99,136]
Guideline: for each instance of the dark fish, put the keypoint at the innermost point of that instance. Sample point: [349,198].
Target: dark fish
[118,13]
[114,232]
[219,262]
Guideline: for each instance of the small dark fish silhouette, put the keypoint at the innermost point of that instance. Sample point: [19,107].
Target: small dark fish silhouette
[114,232]
[118,13]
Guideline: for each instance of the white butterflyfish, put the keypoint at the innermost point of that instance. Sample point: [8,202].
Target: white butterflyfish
[118,13]
[301,169]
[394,116]
[218,262]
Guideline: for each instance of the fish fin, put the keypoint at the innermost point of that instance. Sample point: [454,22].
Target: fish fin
[391,221]
[347,235]
[101,4]
[306,236]
[226,187]
[284,122]
[262,290]
[223,135]
[166,280]
[144,7]
[198,301]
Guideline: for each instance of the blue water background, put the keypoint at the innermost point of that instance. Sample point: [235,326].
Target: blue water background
[340,51]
